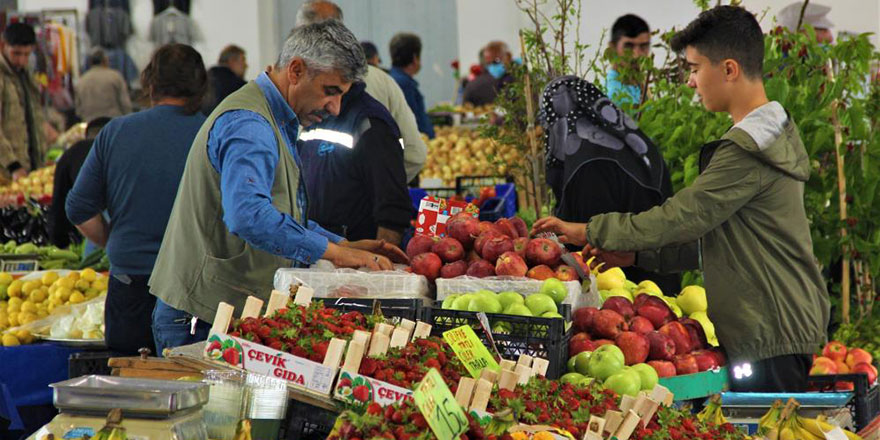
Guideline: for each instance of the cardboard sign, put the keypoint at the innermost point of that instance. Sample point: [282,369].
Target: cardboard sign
[443,414]
[264,360]
[359,389]
[470,350]
[434,212]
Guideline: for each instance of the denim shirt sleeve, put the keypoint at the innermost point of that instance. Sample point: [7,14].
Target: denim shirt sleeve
[87,198]
[316,228]
[243,149]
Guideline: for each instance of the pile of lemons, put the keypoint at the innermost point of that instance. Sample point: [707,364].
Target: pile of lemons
[28,301]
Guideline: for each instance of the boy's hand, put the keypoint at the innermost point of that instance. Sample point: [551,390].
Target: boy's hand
[570,233]
[608,259]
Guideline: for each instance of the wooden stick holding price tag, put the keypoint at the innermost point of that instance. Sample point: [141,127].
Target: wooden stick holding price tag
[540,366]
[252,307]
[507,364]
[222,318]
[304,296]
[488,375]
[423,330]
[379,344]
[629,424]
[508,380]
[334,352]
[465,391]
[399,337]
[481,396]
[277,300]
[353,357]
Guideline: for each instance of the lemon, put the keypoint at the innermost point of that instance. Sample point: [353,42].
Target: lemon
[49,278]
[64,293]
[14,305]
[28,307]
[77,297]
[24,336]
[76,334]
[51,307]
[5,279]
[54,302]
[26,317]
[4,319]
[82,285]
[29,286]
[89,275]
[42,313]
[54,287]
[14,289]
[38,296]
[68,282]
[9,340]
[100,284]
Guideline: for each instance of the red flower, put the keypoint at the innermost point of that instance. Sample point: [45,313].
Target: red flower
[454,64]
[476,70]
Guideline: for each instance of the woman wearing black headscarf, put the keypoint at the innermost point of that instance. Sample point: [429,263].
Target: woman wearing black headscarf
[598,161]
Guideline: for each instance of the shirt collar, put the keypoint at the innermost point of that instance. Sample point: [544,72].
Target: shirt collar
[400,73]
[281,111]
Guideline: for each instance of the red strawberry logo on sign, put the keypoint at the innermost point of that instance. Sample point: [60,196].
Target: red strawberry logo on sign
[361,393]
[232,356]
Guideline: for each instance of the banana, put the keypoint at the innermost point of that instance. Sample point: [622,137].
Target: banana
[772,434]
[818,427]
[786,434]
[113,430]
[770,420]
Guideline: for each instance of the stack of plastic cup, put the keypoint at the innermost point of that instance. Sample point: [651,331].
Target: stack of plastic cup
[225,403]
[266,405]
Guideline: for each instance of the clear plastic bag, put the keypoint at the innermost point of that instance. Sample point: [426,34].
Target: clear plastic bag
[350,283]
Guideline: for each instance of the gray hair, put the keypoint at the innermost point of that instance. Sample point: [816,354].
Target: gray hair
[309,12]
[325,46]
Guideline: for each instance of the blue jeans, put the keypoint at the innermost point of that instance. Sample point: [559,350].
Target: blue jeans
[173,328]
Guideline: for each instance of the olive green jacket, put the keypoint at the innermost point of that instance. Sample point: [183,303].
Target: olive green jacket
[765,292]
[13,128]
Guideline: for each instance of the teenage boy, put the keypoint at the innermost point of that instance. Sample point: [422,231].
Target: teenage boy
[765,293]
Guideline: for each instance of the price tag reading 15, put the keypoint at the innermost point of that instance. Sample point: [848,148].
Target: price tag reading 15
[438,405]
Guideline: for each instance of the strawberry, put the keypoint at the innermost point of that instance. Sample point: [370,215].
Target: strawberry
[264,332]
[373,408]
[361,393]
[215,345]
[230,355]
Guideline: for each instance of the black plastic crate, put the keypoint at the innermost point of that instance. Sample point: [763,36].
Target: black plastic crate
[471,185]
[89,362]
[540,337]
[307,422]
[394,308]
[865,404]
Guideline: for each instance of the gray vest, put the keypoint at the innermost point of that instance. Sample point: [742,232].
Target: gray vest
[200,262]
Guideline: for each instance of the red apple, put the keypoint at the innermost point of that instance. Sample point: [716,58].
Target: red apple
[842,368]
[507,227]
[679,335]
[662,347]
[448,249]
[482,239]
[705,360]
[543,251]
[866,368]
[455,269]
[685,364]
[696,333]
[663,368]
[635,347]
[583,318]
[495,247]
[844,386]
[719,356]
[427,264]
[579,342]
[822,365]
[520,226]
[579,260]
[835,350]
[640,325]
[463,228]
[654,309]
[608,324]
[519,246]
[419,244]
[510,264]
[566,273]
[620,305]
[472,256]
[485,226]
[600,342]
[541,273]
[857,355]
[481,269]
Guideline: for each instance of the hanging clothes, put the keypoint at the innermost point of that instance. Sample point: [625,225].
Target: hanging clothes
[108,27]
[173,26]
[161,5]
[124,4]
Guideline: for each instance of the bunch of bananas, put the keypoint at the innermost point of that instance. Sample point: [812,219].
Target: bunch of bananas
[786,424]
[712,412]
[113,430]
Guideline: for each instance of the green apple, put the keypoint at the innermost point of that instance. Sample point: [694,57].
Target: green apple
[610,279]
[449,300]
[676,310]
[624,383]
[647,374]
[539,304]
[582,362]
[555,289]
[611,349]
[509,298]
[572,378]
[650,286]
[692,299]
[621,291]
[708,326]
[629,285]
[605,363]
[551,315]
[486,294]
[586,382]
[484,303]
[501,327]
[518,309]
[462,302]
[569,366]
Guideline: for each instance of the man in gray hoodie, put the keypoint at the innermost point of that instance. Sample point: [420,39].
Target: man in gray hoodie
[766,295]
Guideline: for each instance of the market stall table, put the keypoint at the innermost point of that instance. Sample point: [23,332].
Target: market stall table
[25,377]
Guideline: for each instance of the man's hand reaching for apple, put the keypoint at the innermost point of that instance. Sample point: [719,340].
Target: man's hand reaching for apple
[609,259]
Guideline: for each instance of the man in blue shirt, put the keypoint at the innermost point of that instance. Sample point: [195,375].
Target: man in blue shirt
[630,40]
[241,210]
[406,61]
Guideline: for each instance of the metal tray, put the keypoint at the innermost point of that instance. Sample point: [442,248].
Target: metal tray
[76,343]
[131,395]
